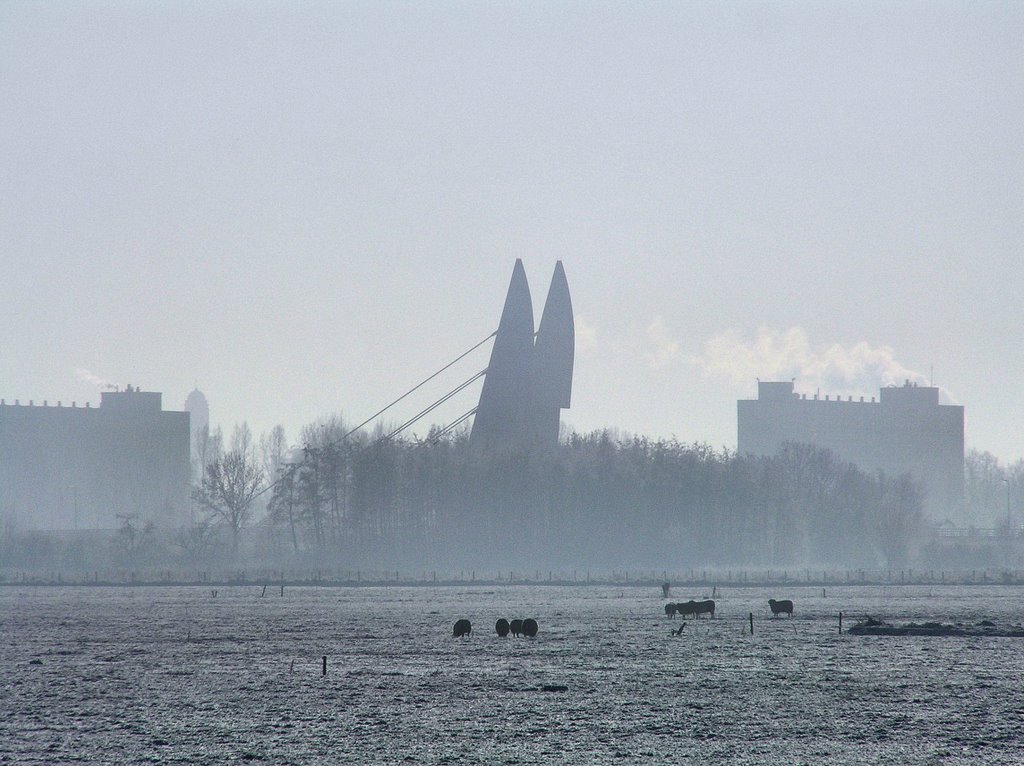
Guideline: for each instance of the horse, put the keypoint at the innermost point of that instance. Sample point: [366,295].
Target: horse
[529,627]
[501,627]
[462,628]
[516,626]
[670,610]
[778,607]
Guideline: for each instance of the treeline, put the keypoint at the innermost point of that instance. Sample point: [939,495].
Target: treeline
[994,492]
[595,500]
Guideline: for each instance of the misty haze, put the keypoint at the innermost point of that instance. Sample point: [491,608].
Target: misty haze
[391,383]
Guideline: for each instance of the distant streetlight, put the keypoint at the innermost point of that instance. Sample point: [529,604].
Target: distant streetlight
[1009,527]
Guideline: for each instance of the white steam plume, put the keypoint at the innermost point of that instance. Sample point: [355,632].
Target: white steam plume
[83,374]
[586,335]
[662,347]
[836,369]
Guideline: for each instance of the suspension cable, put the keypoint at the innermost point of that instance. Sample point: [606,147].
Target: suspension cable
[454,424]
[422,413]
[418,385]
[435,405]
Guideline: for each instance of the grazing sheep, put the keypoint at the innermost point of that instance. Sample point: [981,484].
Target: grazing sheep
[462,628]
[516,626]
[778,607]
[705,607]
[684,608]
[501,627]
[529,627]
[696,608]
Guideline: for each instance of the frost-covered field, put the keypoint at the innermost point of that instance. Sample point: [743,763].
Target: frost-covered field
[173,675]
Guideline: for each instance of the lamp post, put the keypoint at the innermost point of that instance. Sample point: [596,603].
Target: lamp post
[1009,527]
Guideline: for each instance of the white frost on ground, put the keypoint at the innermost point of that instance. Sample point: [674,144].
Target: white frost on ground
[172,675]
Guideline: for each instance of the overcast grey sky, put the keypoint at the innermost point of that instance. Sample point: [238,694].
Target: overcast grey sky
[305,208]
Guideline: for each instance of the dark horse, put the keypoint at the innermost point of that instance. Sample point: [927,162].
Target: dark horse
[780,607]
[501,627]
[529,627]
[462,628]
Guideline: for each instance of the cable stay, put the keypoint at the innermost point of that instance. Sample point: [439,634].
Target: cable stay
[453,425]
[426,380]
[290,468]
[435,405]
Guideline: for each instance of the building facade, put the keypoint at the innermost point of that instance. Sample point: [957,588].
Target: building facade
[906,430]
[81,467]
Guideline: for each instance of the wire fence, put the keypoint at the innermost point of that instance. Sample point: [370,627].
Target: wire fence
[337,577]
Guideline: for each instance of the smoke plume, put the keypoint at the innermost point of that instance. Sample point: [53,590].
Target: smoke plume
[96,380]
[662,347]
[773,355]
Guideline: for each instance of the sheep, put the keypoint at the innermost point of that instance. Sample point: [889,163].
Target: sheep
[778,607]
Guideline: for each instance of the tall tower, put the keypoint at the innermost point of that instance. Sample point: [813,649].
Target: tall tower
[198,410]
[528,380]
[553,355]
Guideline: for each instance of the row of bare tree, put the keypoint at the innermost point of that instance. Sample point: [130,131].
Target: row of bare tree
[594,500]
[994,492]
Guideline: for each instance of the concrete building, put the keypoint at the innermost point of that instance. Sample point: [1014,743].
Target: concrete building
[80,467]
[529,377]
[905,431]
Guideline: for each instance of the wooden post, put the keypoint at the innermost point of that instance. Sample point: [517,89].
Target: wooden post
[840,623]
[751,623]
[264,593]
[324,670]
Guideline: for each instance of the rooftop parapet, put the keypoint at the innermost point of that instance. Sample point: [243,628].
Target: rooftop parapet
[770,389]
[910,394]
[131,400]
